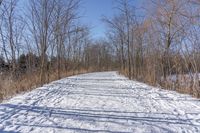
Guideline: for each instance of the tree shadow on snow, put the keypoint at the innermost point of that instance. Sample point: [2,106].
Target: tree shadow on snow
[2,131]
[53,118]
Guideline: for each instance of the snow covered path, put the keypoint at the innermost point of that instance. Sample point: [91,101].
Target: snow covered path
[100,102]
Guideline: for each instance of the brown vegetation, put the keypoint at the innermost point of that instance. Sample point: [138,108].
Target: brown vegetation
[28,82]
[43,43]
[47,42]
[161,47]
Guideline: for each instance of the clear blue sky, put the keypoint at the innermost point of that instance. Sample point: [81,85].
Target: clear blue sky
[93,10]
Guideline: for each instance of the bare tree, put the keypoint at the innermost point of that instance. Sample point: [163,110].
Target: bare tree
[65,14]
[42,20]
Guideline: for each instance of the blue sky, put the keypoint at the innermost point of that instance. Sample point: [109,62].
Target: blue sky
[93,10]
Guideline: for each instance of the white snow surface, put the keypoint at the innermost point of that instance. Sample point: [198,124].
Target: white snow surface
[100,102]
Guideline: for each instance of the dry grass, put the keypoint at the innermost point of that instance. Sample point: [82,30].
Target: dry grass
[27,82]
[184,86]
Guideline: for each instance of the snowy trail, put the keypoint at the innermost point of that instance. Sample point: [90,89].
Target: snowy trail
[100,102]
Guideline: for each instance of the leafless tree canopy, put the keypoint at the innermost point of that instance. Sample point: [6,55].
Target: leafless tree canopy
[162,48]
[47,41]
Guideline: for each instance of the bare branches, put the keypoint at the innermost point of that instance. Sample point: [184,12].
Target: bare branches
[155,48]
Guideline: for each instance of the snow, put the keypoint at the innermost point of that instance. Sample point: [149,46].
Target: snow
[100,102]
[182,77]
[184,80]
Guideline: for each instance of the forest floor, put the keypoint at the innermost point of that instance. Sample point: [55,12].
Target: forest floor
[100,102]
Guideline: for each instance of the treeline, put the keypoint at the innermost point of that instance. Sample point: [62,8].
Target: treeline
[44,40]
[160,45]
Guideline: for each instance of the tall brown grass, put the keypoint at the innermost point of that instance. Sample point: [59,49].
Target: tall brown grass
[28,82]
[182,85]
